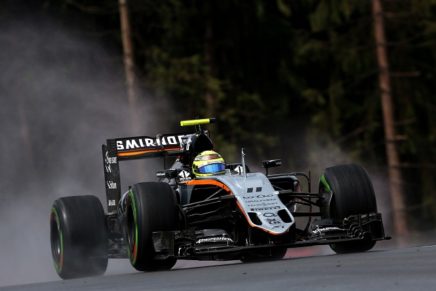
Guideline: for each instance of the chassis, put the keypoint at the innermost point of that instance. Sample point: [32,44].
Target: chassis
[238,215]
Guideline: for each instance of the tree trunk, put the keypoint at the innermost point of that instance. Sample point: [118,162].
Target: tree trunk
[394,171]
[129,65]
[209,95]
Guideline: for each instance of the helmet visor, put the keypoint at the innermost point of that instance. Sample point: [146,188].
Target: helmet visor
[212,168]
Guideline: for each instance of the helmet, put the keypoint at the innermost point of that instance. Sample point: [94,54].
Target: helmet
[208,163]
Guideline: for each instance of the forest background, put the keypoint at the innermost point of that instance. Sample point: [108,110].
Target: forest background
[290,79]
[298,79]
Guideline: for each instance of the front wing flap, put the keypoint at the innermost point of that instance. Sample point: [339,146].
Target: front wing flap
[181,244]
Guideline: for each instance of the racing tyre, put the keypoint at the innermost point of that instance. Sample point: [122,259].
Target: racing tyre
[78,237]
[151,207]
[353,193]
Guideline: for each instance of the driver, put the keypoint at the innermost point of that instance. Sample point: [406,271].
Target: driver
[208,163]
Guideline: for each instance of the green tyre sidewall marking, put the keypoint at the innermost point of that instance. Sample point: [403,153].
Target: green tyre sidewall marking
[58,265]
[325,183]
[134,256]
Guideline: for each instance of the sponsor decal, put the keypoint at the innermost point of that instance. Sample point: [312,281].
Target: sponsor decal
[148,142]
[108,168]
[248,201]
[273,221]
[266,205]
[269,214]
[111,185]
[259,196]
[261,202]
[239,170]
[216,239]
[108,161]
[322,230]
[184,175]
[265,208]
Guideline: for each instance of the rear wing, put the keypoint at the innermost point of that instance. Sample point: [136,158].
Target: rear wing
[140,147]
[131,148]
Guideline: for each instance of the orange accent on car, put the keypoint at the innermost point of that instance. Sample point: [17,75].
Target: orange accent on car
[142,152]
[208,182]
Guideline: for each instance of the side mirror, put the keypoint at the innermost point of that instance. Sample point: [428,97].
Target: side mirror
[271,164]
[237,167]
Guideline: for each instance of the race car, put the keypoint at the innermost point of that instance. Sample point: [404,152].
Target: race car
[202,208]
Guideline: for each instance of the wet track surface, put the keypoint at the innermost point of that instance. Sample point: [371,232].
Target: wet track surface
[401,269]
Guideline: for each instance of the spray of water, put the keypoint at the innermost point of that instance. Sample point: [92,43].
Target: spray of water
[62,97]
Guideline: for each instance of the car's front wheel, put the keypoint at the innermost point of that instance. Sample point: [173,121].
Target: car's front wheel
[150,207]
[352,193]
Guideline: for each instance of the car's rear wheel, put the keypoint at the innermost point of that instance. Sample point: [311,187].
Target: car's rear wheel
[353,193]
[151,207]
[78,237]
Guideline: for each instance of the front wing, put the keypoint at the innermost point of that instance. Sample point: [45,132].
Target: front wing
[182,244]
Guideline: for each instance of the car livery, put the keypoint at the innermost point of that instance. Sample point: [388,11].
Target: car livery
[243,215]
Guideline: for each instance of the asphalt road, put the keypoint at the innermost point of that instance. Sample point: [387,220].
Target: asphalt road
[401,269]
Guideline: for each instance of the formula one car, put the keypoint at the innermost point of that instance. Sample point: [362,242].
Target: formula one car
[203,209]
